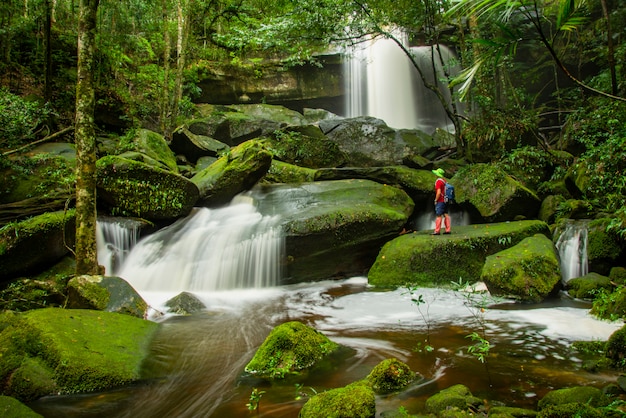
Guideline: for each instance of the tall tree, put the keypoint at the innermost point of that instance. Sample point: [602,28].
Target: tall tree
[86,251]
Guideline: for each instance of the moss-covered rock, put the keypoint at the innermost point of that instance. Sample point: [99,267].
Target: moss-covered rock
[418,184]
[335,228]
[280,172]
[616,348]
[289,349]
[550,208]
[304,146]
[495,194]
[618,275]
[105,293]
[587,286]
[130,188]
[12,408]
[390,375]
[457,396]
[425,260]
[369,142]
[32,245]
[528,271]
[154,146]
[185,303]
[234,125]
[610,305]
[579,394]
[70,351]
[356,400]
[240,169]
[568,410]
[603,249]
[194,147]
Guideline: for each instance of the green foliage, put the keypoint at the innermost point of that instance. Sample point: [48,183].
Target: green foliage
[418,300]
[481,347]
[19,118]
[255,399]
[609,304]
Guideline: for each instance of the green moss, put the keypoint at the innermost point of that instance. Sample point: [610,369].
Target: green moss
[155,146]
[457,396]
[12,408]
[135,189]
[610,304]
[510,412]
[575,409]
[426,260]
[356,400]
[91,294]
[281,172]
[579,394]
[290,348]
[77,350]
[390,375]
[588,286]
[528,271]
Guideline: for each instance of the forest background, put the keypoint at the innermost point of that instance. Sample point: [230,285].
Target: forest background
[539,76]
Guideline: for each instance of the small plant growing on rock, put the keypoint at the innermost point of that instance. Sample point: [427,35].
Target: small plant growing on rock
[255,399]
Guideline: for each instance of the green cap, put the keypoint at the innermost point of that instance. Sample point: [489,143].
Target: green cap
[438,172]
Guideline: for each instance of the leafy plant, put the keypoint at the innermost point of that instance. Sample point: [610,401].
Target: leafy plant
[481,347]
[255,399]
[418,301]
[19,118]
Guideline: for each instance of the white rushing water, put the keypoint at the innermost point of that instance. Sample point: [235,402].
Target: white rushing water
[572,247]
[211,249]
[115,238]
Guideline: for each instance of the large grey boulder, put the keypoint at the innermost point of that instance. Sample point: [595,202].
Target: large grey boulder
[335,228]
[426,260]
[131,188]
[528,271]
[369,142]
[237,171]
[194,147]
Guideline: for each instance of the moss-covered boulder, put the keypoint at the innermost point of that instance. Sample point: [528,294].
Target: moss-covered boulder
[32,245]
[289,349]
[304,146]
[356,400]
[457,396]
[419,184]
[425,260]
[390,375]
[238,170]
[236,124]
[185,303]
[588,286]
[612,306]
[55,350]
[618,275]
[578,394]
[131,188]
[496,195]
[194,147]
[12,408]
[616,348]
[603,248]
[156,147]
[39,173]
[369,142]
[528,271]
[281,172]
[550,208]
[105,293]
[574,409]
[335,228]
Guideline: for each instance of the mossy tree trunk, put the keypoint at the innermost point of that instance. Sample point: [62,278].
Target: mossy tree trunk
[86,252]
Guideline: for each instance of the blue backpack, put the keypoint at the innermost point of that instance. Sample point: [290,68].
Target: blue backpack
[448,195]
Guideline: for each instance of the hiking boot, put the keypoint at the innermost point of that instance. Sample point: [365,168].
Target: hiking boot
[447,233]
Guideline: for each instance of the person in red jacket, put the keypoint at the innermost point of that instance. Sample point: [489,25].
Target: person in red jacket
[441,207]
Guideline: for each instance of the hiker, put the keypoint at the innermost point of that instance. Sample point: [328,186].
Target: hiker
[441,206]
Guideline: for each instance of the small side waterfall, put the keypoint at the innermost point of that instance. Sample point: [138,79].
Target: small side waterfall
[115,237]
[382,82]
[426,219]
[211,249]
[572,247]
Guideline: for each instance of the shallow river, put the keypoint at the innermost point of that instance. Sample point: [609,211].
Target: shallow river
[196,364]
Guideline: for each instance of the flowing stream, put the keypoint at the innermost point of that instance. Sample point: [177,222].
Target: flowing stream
[195,367]
[572,247]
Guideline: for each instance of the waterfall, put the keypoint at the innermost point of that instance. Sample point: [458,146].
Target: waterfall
[572,247]
[114,239]
[211,249]
[382,82]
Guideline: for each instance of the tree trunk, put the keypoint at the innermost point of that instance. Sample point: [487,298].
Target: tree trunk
[165,93]
[47,52]
[611,48]
[86,251]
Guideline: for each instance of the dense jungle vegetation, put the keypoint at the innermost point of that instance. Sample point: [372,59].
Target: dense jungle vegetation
[539,75]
